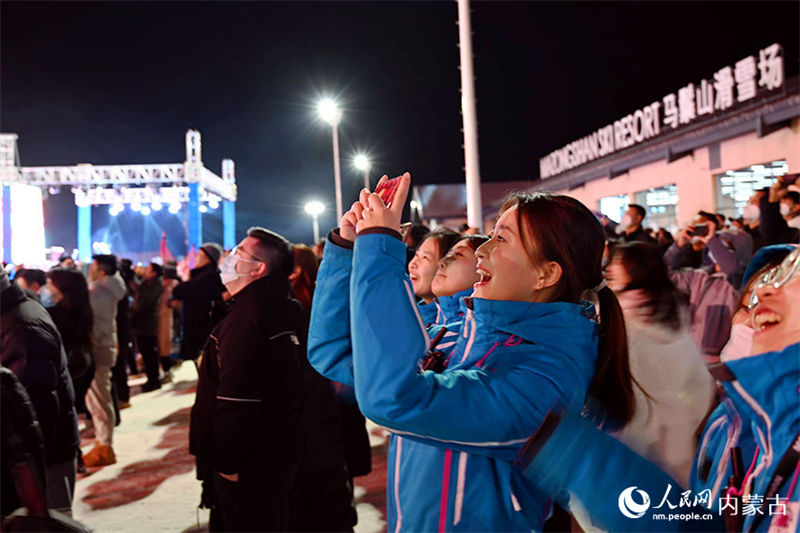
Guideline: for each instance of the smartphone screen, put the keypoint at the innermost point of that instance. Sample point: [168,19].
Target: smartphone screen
[387,191]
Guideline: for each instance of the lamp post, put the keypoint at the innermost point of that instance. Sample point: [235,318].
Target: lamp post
[363,163]
[330,112]
[315,209]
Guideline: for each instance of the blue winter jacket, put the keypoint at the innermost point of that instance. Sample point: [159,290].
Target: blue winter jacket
[448,308]
[724,430]
[764,389]
[594,469]
[456,434]
[427,312]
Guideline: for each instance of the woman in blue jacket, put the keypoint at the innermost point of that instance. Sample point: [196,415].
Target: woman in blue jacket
[423,267]
[528,344]
[455,278]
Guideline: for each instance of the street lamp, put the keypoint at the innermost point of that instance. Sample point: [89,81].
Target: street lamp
[330,112]
[315,209]
[363,163]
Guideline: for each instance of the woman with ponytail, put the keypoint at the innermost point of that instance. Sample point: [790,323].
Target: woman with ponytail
[529,343]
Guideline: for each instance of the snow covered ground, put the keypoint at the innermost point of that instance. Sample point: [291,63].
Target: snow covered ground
[152,487]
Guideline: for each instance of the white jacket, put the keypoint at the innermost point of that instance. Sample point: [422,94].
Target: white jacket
[668,365]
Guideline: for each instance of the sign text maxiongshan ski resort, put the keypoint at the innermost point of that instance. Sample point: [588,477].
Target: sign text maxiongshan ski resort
[729,86]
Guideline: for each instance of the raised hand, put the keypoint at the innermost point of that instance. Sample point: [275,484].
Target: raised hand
[376,214]
[347,226]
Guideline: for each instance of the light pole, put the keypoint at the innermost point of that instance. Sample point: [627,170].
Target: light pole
[363,163]
[315,209]
[330,112]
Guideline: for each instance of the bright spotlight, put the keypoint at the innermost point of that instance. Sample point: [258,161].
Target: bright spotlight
[361,162]
[213,203]
[203,208]
[136,206]
[315,208]
[114,210]
[145,210]
[329,111]
[156,206]
[174,207]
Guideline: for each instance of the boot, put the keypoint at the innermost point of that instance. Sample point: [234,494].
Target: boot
[100,455]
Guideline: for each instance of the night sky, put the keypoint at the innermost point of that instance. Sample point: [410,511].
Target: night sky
[118,83]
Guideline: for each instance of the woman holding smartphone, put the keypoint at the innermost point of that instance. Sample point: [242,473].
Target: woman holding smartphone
[529,343]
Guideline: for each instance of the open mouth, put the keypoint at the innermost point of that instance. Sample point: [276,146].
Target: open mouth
[766,319]
[485,277]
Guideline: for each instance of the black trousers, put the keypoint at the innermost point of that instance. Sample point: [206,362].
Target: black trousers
[119,374]
[148,347]
[245,508]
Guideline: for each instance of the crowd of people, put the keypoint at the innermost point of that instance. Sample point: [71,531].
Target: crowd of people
[512,370]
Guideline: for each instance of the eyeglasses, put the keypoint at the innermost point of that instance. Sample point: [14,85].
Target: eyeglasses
[238,249]
[777,276]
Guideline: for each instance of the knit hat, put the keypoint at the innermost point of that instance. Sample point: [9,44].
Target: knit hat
[768,254]
[213,251]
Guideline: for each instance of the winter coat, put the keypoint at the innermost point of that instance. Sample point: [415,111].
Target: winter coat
[427,311]
[76,337]
[20,440]
[320,499]
[145,307]
[773,227]
[165,319]
[742,243]
[713,462]
[30,346]
[712,302]
[247,417]
[669,367]
[448,308]
[104,295]
[764,390]
[454,435]
[715,253]
[198,294]
[639,235]
[125,333]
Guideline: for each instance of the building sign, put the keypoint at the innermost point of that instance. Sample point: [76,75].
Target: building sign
[729,86]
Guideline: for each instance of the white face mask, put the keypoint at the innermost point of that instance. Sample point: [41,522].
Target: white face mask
[739,345]
[227,269]
[624,224]
[751,213]
[785,209]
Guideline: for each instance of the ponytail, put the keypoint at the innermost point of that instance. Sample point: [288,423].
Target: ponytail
[577,244]
[612,384]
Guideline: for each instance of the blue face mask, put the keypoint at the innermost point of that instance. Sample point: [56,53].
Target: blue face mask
[46,296]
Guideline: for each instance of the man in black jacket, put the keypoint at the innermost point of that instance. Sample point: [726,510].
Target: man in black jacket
[30,346]
[144,317]
[198,293]
[246,423]
[631,225]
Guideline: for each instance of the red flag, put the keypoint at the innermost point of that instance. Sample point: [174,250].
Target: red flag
[166,255]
